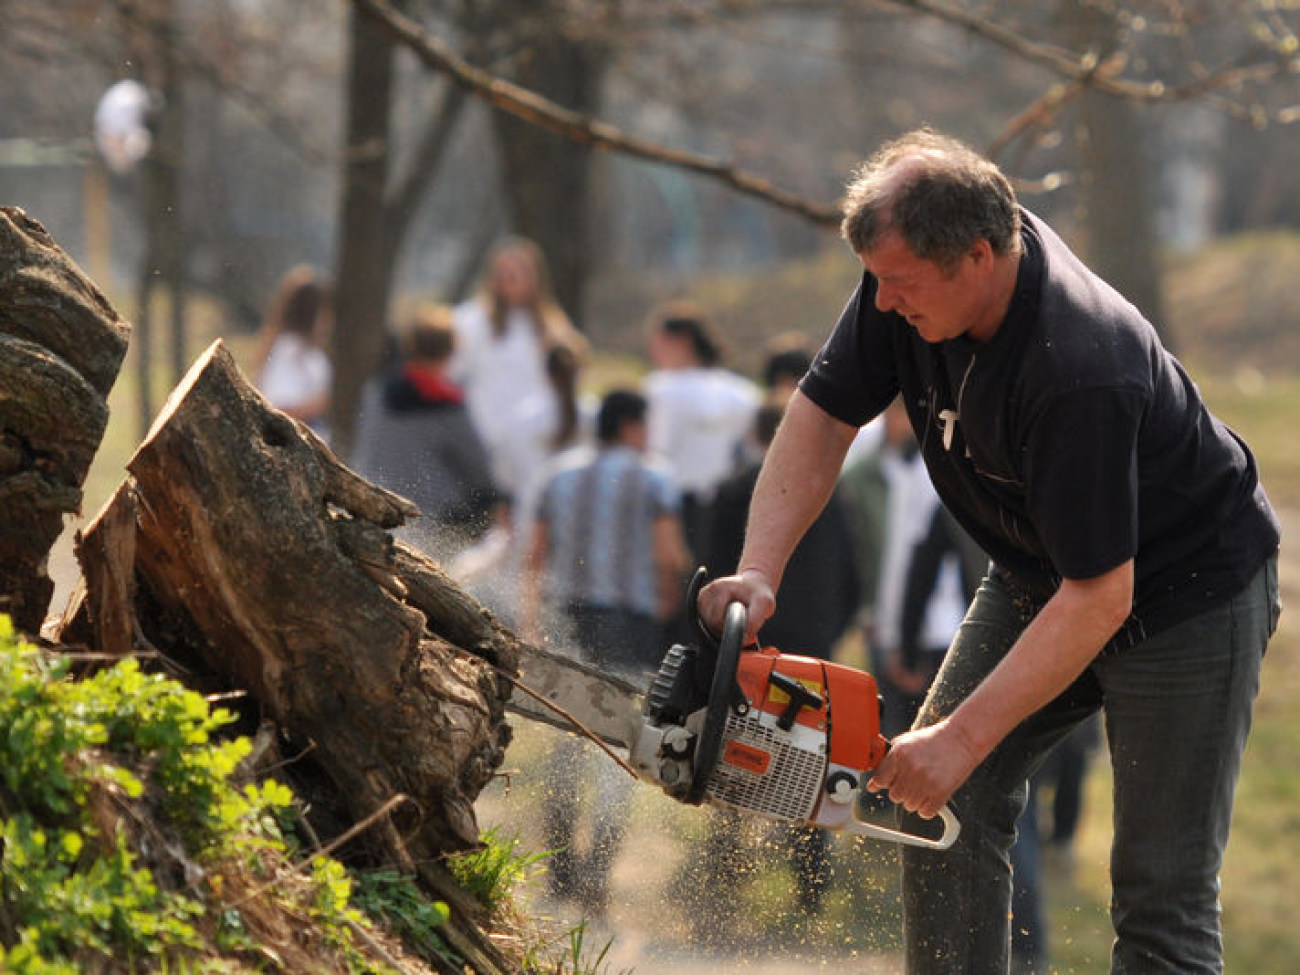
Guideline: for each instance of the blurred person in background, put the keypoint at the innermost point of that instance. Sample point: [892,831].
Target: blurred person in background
[700,412]
[517,357]
[929,570]
[601,580]
[294,371]
[414,437]
[787,357]
[819,602]
[503,335]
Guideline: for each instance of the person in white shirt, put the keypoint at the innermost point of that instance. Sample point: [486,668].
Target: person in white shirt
[503,336]
[699,410]
[294,370]
[517,358]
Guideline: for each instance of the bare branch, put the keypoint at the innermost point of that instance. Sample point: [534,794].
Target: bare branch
[290,131]
[1081,69]
[540,111]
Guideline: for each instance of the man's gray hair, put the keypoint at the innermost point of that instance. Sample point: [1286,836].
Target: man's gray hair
[939,194]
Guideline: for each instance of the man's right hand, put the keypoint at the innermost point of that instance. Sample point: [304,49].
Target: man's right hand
[750,587]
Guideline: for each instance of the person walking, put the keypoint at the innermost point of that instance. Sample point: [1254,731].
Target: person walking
[605,560]
[820,597]
[1133,548]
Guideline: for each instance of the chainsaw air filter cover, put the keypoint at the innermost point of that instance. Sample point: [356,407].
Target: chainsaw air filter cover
[764,770]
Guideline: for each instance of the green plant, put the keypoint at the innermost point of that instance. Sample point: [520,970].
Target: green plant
[396,901]
[122,830]
[575,959]
[491,873]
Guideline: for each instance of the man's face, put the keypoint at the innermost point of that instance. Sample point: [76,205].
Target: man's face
[939,303]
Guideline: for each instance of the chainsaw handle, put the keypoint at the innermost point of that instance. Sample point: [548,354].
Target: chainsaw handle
[722,693]
[951,830]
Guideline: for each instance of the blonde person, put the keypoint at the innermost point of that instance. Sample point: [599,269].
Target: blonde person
[505,335]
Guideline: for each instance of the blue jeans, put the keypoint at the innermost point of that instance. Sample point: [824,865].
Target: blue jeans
[1177,710]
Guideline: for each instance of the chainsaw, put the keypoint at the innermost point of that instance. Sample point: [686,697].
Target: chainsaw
[786,737]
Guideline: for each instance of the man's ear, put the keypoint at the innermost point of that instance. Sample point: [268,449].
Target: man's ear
[981,253]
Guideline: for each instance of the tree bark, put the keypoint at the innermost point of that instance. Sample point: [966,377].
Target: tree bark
[362,266]
[61,346]
[546,176]
[279,562]
[1116,185]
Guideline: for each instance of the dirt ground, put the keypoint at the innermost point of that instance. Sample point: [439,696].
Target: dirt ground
[646,929]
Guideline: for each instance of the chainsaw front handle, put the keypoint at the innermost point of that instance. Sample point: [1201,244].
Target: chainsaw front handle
[722,694]
[951,830]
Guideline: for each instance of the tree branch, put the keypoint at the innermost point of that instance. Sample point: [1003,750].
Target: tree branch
[536,110]
[1081,68]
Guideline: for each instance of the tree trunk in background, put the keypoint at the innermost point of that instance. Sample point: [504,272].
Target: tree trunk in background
[164,261]
[362,266]
[1119,206]
[61,346]
[545,177]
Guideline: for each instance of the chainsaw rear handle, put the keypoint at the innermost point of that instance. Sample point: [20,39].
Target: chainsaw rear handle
[951,830]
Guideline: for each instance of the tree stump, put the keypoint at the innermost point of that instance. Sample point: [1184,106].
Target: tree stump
[279,562]
[61,346]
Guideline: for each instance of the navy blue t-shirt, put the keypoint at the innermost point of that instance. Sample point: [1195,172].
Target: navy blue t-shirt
[1077,441]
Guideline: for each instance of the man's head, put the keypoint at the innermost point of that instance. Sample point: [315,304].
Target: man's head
[621,419]
[937,193]
[939,227]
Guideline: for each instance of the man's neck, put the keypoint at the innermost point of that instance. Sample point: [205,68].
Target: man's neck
[1002,288]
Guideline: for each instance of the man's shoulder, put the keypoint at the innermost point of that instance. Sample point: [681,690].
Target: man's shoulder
[1087,335]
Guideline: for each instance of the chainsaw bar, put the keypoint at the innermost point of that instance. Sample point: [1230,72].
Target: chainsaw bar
[572,695]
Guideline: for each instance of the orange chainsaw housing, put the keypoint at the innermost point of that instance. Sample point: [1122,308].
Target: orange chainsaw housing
[849,711]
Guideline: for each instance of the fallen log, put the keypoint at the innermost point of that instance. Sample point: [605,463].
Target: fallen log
[61,346]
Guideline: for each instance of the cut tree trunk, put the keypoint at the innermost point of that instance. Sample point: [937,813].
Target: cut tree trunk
[279,562]
[61,346]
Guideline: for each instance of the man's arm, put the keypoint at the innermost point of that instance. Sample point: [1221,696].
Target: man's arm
[925,766]
[798,475]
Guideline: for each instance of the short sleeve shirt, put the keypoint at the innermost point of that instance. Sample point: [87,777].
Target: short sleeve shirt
[600,509]
[1068,443]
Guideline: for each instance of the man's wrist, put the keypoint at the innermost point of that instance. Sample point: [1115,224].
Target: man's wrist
[968,736]
[757,573]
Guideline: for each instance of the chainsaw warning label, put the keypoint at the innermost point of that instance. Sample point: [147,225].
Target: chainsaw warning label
[746,757]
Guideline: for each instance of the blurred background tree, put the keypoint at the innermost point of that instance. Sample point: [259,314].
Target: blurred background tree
[294,131]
